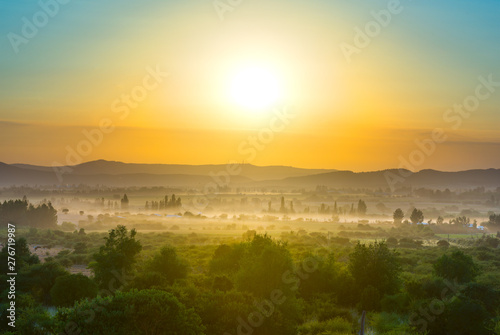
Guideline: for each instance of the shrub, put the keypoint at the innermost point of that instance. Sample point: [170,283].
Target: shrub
[457,266]
[443,243]
[332,326]
[168,264]
[70,288]
[134,312]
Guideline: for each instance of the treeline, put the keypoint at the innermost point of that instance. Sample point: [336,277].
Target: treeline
[344,210]
[173,203]
[22,213]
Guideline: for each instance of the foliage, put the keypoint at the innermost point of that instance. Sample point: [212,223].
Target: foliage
[457,266]
[417,216]
[375,265]
[263,266]
[31,318]
[133,312]
[24,257]
[168,264]
[21,213]
[70,288]
[39,279]
[337,325]
[117,256]
[398,216]
[443,243]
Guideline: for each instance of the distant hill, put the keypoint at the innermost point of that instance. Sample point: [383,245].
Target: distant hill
[116,168]
[127,174]
[379,179]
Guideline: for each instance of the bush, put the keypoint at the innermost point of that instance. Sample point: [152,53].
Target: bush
[134,312]
[39,279]
[392,241]
[118,255]
[443,243]
[168,264]
[70,288]
[337,325]
[398,302]
[370,299]
[457,266]
[385,323]
[375,265]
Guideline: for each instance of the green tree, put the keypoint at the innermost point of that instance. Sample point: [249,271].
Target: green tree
[370,299]
[457,266]
[375,265]
[135,312]
[398,216]
[23,257]
[116,256]
[226,259]
[263,265]
[168,264]
[417,216]
[70,288]
[39,279]
[31,318]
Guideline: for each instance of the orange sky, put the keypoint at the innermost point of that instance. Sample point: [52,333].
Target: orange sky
[164,75]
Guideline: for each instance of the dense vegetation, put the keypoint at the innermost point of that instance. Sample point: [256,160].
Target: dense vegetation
[300,283]
[138,261]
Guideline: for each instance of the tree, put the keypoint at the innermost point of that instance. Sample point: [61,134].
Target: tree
[375,265]
[398,216]
[282,207]
[117,256]
[457,266]
[39,279]
[70,288]
[370,299]
[361,207]
[135,312]
[263,266]
[124,201]
[168,264]
[417,216]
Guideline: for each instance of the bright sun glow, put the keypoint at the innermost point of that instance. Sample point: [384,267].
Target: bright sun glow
[256,88]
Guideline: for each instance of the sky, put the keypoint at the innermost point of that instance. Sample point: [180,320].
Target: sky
[352,85]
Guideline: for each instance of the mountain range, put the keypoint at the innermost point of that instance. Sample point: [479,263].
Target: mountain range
[120,174]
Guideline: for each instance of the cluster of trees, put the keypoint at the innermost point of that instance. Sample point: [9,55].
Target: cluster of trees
[359,210]
[173,203]
[417,216]
[22,213]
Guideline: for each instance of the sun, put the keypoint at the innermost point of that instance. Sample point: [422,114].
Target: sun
[256,88]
